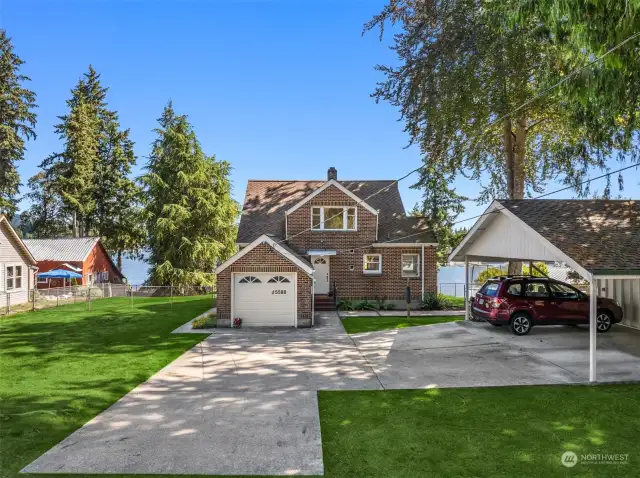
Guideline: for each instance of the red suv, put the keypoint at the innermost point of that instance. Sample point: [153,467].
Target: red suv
[523,301]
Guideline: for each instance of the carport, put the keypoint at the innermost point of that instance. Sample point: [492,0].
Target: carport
[599,239]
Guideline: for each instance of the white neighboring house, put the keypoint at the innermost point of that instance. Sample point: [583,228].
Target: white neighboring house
[17,267]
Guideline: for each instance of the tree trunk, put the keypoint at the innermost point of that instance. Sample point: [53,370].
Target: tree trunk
[75,224]
[119,260]
[515,150]
[508,156]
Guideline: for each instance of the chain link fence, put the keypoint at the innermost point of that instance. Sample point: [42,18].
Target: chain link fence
[13,302]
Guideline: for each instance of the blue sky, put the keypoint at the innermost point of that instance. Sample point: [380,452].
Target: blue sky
[280,89]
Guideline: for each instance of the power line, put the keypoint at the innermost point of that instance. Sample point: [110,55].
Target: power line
[489,125]
[395,240]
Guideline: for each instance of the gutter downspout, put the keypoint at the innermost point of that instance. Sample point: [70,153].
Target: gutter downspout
[422,272]
[313,302]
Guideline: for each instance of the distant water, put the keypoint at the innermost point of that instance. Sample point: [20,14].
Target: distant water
[448,277]
[134,271]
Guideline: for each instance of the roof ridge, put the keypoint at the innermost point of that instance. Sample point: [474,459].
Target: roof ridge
[58,238]
[321,180]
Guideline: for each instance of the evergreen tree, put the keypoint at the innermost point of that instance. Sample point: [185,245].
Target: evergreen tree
[190,213]
[45,217]
[92,175]
[17,123]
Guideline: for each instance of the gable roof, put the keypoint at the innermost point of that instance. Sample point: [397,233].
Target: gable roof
[601,236]
[266,203]
[62,249]
[18,241]
[333,182]
[279,247]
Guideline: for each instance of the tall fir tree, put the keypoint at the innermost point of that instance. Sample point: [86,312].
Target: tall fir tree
[190,213]
[45,217]
[17,123]
[92,174]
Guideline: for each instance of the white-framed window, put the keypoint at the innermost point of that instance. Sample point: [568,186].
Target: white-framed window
[14,277]
[410,265]
[102,277]
[43,280]
[372,264]
[334,218]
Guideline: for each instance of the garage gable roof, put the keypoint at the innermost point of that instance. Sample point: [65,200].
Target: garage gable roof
[601,236]
[281,248]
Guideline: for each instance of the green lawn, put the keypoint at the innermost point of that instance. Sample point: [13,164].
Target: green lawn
[60,367]
[356,325]
[506,431]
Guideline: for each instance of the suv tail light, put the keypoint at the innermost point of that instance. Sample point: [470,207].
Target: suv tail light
[496,302]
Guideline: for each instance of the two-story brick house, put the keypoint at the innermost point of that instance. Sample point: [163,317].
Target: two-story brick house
[303,241]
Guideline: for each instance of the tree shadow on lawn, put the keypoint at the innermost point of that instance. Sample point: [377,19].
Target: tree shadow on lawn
[113,329]
[60,368]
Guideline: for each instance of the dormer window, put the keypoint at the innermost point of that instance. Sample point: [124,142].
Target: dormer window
[332,218]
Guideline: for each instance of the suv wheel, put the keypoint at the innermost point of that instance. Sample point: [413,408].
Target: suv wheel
[521,324]
[603,321]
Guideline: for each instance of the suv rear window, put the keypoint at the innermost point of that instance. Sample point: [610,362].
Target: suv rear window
[490,289]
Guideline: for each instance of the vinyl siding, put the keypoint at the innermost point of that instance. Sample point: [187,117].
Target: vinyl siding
[11,254]
[627,293]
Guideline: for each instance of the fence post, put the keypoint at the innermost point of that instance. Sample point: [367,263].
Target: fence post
[58,299]
[33,300]
[89,298]
[171,292]
[131,295]
[8,304]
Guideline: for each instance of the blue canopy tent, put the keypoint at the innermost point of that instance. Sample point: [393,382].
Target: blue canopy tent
[60,274]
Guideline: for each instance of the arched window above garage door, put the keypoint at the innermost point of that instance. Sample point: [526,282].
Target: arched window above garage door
[278,279]
[249,280]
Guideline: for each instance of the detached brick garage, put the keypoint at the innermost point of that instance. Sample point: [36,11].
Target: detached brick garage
[265,284]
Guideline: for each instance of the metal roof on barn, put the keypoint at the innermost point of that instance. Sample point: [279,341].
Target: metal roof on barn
[61,249]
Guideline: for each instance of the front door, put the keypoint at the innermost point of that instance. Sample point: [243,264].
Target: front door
[321,274]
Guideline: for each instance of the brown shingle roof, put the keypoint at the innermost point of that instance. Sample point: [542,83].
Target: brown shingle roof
[601,235]
[266,202]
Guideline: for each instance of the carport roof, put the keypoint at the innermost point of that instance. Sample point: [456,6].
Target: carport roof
[602,236]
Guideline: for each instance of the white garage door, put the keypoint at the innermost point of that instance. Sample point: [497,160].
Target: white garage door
[264,298]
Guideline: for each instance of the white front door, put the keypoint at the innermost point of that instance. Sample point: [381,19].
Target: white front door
[321,274]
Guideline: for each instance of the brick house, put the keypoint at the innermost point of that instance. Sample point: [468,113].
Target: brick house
[84,255]
[302,243]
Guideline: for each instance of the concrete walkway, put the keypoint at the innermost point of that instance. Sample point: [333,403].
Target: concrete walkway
[244,401]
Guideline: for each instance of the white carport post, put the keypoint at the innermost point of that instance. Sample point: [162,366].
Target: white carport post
[593,310]
[466,287]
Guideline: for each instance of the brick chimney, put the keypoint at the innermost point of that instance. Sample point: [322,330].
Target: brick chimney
[332,173]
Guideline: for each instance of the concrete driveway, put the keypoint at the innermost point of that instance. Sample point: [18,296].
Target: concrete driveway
[245,402]
[240,402]
[469,354]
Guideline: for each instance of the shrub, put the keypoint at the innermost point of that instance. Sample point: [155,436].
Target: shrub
[433,301]
[382,305]
[365,305]
[206,322]
[344,305]
[488,274]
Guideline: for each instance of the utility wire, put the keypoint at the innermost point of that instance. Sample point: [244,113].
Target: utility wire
[396,240]
[489,125]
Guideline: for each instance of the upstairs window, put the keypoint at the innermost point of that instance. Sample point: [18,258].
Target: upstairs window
[333,218]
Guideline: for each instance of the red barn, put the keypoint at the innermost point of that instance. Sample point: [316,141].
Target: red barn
[84,255]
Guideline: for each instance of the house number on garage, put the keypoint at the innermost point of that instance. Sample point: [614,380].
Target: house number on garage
[278,291]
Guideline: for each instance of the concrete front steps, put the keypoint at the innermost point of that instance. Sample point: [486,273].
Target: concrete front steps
[323,302]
